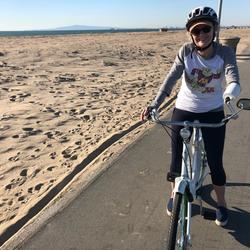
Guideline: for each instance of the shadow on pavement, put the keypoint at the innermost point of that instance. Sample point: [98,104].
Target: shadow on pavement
[238,224]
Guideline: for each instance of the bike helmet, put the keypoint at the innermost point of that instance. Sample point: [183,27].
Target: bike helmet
[201,13]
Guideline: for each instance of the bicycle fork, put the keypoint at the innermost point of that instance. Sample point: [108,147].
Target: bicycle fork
[184,239]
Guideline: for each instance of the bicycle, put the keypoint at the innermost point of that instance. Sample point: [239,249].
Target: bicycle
[193,173]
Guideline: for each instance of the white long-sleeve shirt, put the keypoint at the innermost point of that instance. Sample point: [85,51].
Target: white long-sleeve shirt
[202,79]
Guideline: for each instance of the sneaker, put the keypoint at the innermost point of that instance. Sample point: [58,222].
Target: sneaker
[221,216]
[170,206]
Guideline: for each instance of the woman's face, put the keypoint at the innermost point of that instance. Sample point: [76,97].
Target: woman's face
[202,33]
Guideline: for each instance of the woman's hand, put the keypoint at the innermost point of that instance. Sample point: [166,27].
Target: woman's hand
[145,114]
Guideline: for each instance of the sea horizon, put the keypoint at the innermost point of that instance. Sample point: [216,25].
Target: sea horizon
[75,32]
[55,32]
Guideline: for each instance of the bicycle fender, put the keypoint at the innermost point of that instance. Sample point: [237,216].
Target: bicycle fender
[180,185]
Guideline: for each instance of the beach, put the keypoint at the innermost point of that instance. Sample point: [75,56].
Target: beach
[61,97]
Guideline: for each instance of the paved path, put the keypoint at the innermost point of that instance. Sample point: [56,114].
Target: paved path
[125,207]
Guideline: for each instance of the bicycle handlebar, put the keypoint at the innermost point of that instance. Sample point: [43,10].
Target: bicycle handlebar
[197,124]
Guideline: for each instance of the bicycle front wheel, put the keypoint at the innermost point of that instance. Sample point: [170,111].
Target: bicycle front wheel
[177,234]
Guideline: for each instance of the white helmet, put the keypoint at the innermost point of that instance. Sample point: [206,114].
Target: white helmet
[201,13]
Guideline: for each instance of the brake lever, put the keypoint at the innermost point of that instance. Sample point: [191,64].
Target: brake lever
[234,115]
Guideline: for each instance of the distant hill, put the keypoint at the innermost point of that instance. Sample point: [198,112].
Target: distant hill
[83,27]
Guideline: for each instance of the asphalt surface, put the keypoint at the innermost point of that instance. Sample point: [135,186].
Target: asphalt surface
[125,207]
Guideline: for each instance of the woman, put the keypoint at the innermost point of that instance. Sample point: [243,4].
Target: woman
[203,65]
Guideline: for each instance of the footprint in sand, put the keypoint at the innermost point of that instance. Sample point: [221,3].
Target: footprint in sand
[10,202]
[11,217]
[52,155]
[15,136]
[65,78]
[24,172]
[51,168]
[16,182]
[4,127]
[75,130]
[78,143]
[19,97]
[15,158]
[51,110]
[22,199]
[18,194]
[30,132]
[27,129]
[34,174]
[1,205]
[64,139]
[31,189]
[3,138]
[49,135]
[39,186]
[6,118]
[69,153]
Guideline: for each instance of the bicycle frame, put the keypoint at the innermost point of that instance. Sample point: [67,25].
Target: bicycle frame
[191,168]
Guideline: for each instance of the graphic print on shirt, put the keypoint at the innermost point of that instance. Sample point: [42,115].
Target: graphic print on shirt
[200,78]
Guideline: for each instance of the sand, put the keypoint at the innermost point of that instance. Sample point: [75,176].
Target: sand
[61,97]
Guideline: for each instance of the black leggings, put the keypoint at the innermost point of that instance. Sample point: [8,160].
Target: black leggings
[213,139]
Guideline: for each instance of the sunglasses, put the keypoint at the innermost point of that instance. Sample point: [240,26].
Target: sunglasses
[197,31]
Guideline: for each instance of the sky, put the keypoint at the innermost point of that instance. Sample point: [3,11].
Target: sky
[43,14]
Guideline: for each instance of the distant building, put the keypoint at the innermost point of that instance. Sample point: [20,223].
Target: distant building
[163,29]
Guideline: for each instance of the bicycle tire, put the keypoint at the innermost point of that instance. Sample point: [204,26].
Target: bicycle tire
[178,221]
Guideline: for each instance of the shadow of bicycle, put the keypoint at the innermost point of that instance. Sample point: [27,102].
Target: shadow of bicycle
[239,219]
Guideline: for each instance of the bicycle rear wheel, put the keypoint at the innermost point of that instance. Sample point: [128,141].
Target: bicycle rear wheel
[177,234]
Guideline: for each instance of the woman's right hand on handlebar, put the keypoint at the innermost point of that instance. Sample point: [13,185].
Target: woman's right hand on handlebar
[145,115]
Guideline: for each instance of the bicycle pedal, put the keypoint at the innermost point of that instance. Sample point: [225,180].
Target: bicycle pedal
[209,215]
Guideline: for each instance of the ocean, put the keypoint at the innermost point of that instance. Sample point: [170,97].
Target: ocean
[68,32]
